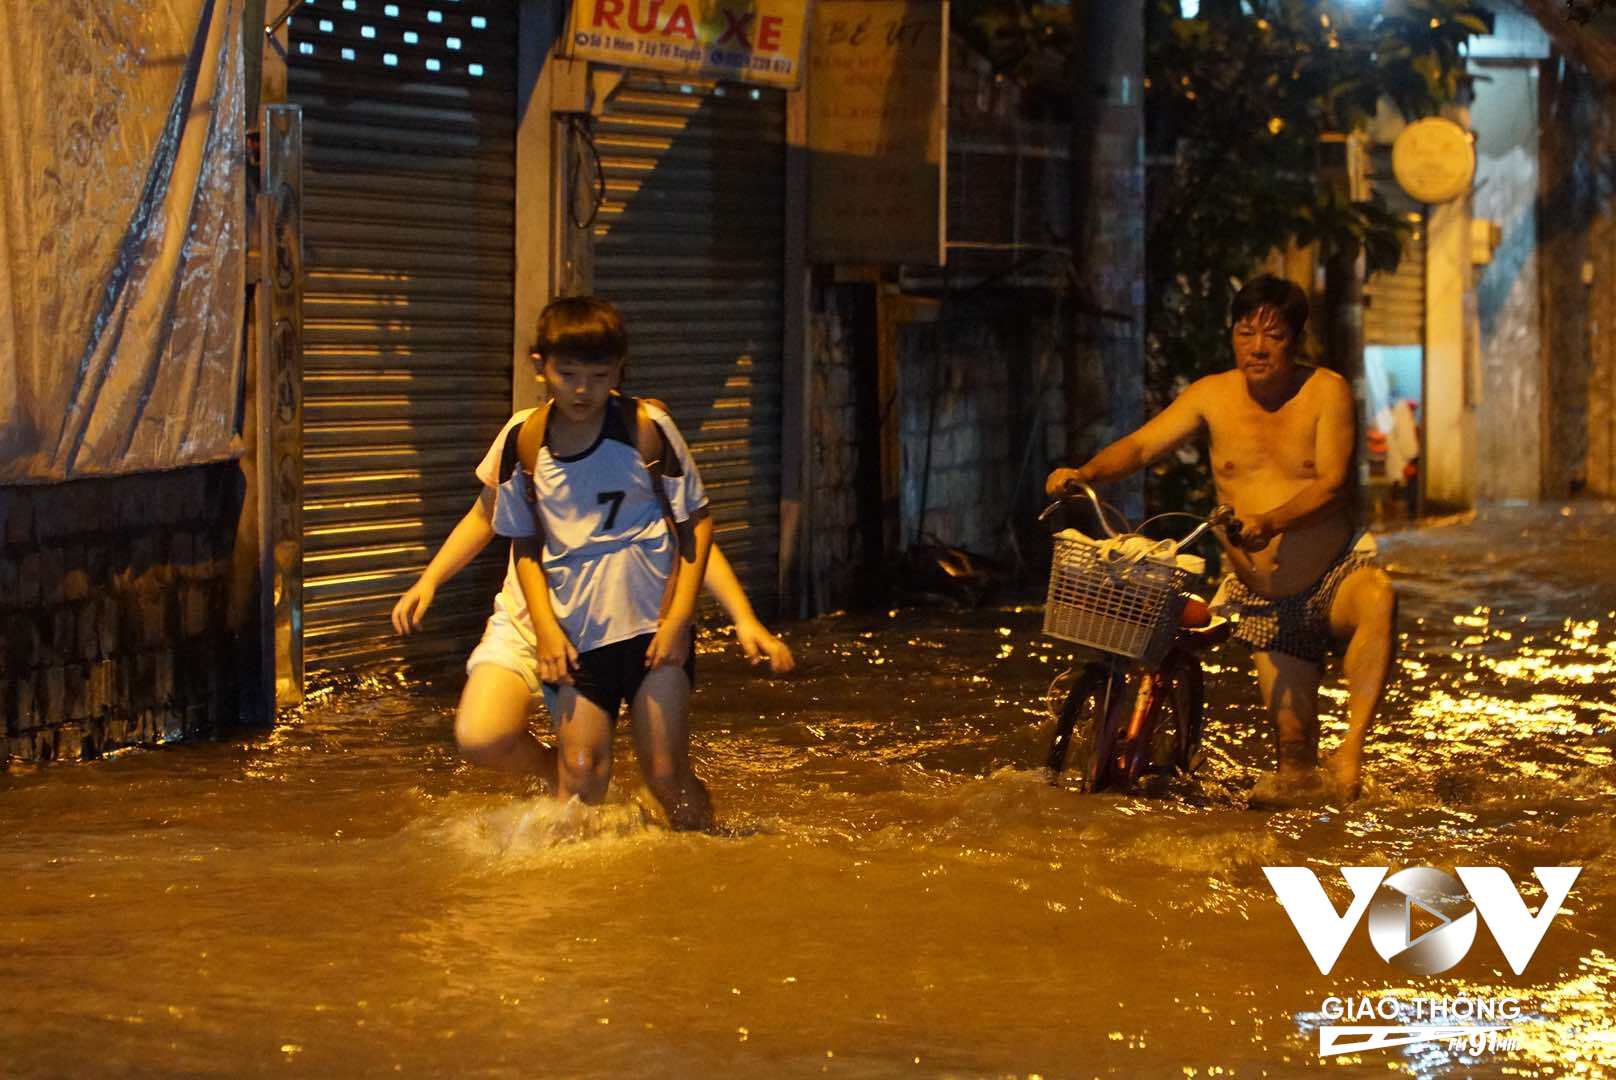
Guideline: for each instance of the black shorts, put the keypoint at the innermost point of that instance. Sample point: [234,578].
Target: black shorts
[612,674]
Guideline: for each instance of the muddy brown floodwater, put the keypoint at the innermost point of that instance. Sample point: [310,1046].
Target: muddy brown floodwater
[896,890]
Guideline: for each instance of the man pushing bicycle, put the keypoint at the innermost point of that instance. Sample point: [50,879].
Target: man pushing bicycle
[1282,437]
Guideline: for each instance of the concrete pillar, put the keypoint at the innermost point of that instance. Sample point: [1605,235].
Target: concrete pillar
[1509,419]
[1449,452]
[1601,456]
[538,26]
[1104,376]
[1567,119]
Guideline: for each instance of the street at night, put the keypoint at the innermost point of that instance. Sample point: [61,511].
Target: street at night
[894,886]
[786,538]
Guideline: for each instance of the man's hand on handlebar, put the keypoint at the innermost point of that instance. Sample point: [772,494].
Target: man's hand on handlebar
[1253,533]
[1063,483]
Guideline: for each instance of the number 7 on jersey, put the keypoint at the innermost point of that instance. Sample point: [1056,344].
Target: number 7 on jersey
[616,499]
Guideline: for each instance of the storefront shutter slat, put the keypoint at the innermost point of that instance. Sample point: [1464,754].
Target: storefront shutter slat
[1394,303]
[689,244]
[409,208]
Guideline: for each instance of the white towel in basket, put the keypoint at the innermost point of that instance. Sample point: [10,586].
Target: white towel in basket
[1133,548]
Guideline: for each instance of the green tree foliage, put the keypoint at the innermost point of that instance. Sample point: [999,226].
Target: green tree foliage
[1028,41]
[1584,30]
[1585,11]
[1240,101]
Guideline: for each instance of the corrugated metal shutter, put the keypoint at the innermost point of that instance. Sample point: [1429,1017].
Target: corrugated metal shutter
[1394,303]
[690,245]
[409,125]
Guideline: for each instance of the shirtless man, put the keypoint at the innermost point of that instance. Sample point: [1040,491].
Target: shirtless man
[1282,437]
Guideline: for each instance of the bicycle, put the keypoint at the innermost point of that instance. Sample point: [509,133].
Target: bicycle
[1124,612]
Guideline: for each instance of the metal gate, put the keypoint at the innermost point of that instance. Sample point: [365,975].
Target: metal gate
[689,243]
[1394,303]
[409,118]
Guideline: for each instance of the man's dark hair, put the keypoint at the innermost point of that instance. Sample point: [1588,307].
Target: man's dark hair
[582,328]
[1267,291]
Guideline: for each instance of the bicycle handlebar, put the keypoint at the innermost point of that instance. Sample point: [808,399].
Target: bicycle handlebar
[1222,516]
[1099,509]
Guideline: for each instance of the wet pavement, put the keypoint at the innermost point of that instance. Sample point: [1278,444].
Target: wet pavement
[895,888]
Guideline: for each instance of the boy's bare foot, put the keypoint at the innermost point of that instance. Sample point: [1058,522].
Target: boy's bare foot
[691,809]
[1290,789]
[547,770]
[1345,772]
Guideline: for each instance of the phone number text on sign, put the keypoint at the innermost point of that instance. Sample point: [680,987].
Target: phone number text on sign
[757,41]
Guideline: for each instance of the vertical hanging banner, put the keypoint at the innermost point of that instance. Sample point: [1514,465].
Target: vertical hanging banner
[753,41]
[877,131]
[122,260]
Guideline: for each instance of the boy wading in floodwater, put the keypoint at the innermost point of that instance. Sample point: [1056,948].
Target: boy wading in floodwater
[610,541]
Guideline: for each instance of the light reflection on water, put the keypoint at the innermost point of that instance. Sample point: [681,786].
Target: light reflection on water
[895,887]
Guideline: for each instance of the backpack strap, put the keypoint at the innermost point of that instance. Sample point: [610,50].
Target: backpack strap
[530,492]
[654,450]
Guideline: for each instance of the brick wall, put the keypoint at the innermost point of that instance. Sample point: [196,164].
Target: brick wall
[995,372]
[833,524]
[977,389]
[114,620]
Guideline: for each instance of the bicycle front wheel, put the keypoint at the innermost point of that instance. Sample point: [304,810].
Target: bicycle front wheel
[1175,733]
[1091,734]
[1077,723]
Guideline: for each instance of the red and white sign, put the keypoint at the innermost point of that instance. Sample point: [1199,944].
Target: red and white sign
[755,41]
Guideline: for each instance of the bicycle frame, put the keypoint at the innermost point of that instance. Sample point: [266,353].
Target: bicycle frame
[1122,746]
[1181,661]
[1124,727]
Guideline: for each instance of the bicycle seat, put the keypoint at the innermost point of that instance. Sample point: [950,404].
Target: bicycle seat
[1213,633]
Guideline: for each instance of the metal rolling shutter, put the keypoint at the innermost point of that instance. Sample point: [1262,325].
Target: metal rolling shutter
[1394,308]
[409,125]
[690,245]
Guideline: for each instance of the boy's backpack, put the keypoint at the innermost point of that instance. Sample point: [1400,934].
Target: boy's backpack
[653,449]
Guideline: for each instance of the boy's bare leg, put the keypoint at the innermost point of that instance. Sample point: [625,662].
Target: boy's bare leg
[661,712]
[1290,688]
[1364,614]
[491,726]
[583,747]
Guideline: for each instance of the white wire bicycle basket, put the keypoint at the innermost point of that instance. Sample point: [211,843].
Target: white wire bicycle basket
[1115,603]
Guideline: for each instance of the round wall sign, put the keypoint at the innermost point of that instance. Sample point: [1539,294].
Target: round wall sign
[1434,160]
